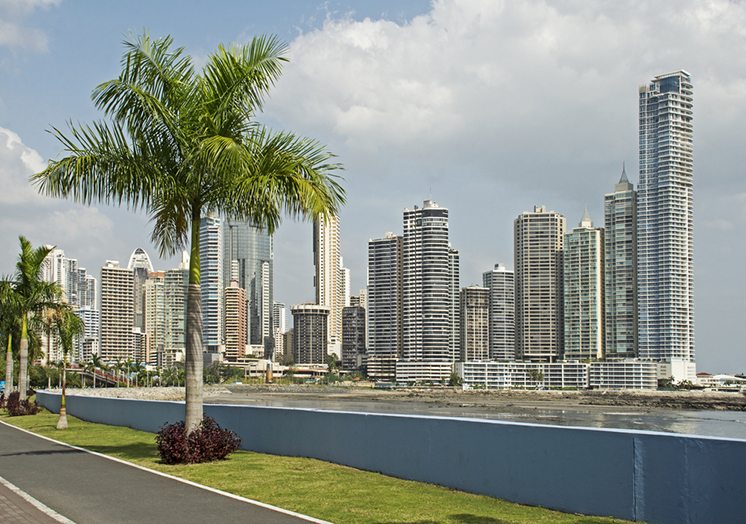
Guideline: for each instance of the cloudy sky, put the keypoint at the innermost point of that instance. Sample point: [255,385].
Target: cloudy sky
[486,107]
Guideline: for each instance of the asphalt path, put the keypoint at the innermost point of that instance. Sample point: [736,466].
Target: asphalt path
[88,488]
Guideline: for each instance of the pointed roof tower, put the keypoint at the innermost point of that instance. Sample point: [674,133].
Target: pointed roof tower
[624,184]
[586,222]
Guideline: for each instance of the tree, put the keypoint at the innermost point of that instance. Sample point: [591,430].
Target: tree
[9,315]
[33,294]
[182,144]
[67,325]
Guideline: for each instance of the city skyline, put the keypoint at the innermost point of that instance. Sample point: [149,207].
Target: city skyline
[569,171]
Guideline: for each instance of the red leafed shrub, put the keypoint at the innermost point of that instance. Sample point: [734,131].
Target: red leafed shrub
[17,407]
[206,443]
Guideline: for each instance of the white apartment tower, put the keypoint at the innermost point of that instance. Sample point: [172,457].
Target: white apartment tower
[539,239]
[501,283]
[620,271]
[428,276]
[583,291]
[175,289]
[211,283]
[475,323]
[384,305]
[141,267]
[665,276]
[117,312]
[154,316]
[329,276]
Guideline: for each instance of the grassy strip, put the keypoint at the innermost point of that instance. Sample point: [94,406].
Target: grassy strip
[327,491]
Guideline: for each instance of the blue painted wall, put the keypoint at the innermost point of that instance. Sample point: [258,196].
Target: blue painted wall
[638,475]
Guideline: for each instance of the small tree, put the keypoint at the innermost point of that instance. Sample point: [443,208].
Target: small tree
[68,325]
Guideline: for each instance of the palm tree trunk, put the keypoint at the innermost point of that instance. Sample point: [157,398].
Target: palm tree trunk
[23,358]
[62,421]
[193,356]
[9,366]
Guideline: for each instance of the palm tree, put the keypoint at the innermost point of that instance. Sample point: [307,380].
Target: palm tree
[33,294]
[96,364]
[9,315]
[68,325]
[182,144]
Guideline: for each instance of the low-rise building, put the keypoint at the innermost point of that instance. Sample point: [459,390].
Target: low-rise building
[523,375]
[422,372]
[623,374]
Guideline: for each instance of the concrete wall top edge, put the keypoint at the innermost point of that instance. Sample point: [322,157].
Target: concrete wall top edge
[432,417]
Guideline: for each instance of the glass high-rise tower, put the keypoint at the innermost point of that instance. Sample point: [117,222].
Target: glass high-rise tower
[665,219]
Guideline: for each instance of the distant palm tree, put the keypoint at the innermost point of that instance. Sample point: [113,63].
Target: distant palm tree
[9,324]
[97,364]
[68,325]
[183,144]
[33,294]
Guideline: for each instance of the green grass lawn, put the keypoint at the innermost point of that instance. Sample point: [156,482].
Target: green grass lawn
[327,491]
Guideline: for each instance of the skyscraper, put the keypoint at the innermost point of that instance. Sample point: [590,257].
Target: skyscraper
[310,337]
[249,251]
[117,312]
[539,239]
[329,277]
[211,283]
[454,287]
[475,320]
[175,289]
[501,283]
[384,305]
[427,285]
[353,337]
[235,321]
[620,270]
[155,316]
[665,277]
[140,266]
[583,291]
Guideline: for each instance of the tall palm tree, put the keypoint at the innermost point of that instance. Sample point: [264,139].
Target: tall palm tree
[33,294]
[9,316]
[97,364]
[68,325]
[183,143]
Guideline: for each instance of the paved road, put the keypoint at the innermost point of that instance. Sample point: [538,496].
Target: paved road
[88,488]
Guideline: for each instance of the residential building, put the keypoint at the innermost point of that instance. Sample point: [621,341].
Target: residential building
[235,321]
[117,312]
[665,276]
[427,285]
[620,270]
[211,281]
[384,301]
[329,279]
[353,337]
[175,290]
[154,316]
[583,291]
[523,375]
[623,374]
[310,336]
[501,283]
[141,267]
[539,240]
[88,344]
[475,324]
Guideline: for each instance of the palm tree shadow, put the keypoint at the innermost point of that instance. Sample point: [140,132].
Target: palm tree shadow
[42,452]
[127,451]
[462,518]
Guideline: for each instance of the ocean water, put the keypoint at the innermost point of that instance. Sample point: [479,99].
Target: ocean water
[712,423]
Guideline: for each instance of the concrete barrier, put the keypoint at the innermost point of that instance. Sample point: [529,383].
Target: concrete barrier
[637,475]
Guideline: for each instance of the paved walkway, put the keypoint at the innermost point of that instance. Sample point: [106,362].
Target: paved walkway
[17,509]
[88,488]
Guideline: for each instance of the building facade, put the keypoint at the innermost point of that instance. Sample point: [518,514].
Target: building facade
[117,312]
[665,277]
[310,333]
[427,286]
[620,270]
[353,337]
[329,278]
[475,324]
[248,258]
[236,321]
[211,281]
[384,300]
[583,291]
[539,241]
[501,283]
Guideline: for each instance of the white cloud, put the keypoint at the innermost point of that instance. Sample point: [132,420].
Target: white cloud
[14,32]
[490,107]
[17,163]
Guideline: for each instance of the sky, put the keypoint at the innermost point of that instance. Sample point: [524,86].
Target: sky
[486,107]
